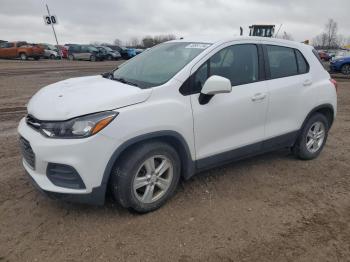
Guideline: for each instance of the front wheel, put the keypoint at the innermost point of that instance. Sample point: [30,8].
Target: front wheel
[346,69]
[71,57]
[312,137]
[92,58]
[146,176]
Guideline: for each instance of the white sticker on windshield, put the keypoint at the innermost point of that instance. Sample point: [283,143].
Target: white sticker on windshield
[198,46]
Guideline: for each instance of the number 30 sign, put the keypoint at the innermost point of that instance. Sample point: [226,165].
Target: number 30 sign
[49,20]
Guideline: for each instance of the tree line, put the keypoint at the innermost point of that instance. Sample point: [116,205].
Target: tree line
[328,39]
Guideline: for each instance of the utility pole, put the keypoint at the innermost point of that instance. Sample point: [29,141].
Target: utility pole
[53,29]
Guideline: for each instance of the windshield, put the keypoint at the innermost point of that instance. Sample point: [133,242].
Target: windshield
[159,64]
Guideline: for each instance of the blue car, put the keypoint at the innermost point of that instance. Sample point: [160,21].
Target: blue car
[129,52]
[341,65]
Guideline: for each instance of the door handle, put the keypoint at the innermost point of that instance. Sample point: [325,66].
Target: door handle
[258,96]
[307,82]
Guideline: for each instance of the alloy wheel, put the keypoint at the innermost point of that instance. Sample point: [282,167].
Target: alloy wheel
[315,137]
[153,179]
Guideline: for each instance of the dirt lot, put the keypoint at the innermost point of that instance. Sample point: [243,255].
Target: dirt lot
[268,208]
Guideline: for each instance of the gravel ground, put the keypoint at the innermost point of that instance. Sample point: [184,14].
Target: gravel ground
[268,208]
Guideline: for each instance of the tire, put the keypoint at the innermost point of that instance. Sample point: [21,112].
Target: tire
[109,58]
[23,56]
[52,57]
[345,69]
[71,57]
[133,165]
[310,142]
[36,58]
[92,58]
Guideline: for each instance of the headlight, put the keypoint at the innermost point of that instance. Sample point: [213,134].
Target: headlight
[79,127]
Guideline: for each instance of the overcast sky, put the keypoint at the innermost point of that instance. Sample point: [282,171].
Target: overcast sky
[84,21]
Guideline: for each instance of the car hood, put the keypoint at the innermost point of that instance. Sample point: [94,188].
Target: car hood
[83,95]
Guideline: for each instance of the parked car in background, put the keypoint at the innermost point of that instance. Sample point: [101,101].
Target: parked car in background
[126,53]
[21,50]
[63,50]
[182,107]
[84,52]
[139,51]
[341,65]
[129,52]
[109,53]
[324,56]
[340,54]
[50,51]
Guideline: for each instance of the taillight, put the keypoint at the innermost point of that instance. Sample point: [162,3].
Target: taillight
[334,82]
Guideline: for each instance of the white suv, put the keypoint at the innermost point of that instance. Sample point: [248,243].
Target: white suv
[176,109]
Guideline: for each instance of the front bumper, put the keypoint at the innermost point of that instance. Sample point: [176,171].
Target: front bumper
[88,156]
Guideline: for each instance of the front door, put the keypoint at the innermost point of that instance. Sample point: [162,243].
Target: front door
[233,120]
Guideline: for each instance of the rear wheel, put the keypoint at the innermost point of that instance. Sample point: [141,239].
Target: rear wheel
[146,176]
[71,57]
[346,69]
[312,137]
[109,57]
[92,58]
[52,57]
[23,56]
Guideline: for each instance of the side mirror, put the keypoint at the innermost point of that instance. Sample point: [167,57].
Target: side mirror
[108,75]
[213,86]
[216,85]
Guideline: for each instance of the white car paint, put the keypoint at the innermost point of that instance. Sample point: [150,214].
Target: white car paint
[248,114]
[83,95]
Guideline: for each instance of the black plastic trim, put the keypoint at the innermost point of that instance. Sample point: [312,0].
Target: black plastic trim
[96,197]
[286,140]
[188,168]
[64,176]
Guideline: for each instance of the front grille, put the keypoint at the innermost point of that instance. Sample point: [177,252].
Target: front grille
[27,152]
[33,122]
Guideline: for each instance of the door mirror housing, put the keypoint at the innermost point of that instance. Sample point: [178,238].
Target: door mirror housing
[216,85]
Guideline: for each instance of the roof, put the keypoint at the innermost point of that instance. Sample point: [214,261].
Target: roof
[219,40]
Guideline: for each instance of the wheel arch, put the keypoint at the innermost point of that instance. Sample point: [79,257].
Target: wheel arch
[170,137]
[326,109]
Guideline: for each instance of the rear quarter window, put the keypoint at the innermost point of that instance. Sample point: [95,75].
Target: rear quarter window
[303,66]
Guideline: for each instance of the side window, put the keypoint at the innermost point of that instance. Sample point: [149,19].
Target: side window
[239,63]
[282,61]
[303,66]
[9,45]
[19,44]
[200,77]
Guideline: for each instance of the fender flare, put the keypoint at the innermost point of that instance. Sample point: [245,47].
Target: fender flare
[188,165]
[318,108]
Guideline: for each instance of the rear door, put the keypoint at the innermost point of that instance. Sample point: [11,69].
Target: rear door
[289,76]
[85,53]
[232,120]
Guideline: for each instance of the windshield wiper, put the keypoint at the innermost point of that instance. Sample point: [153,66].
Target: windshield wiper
[124,81]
